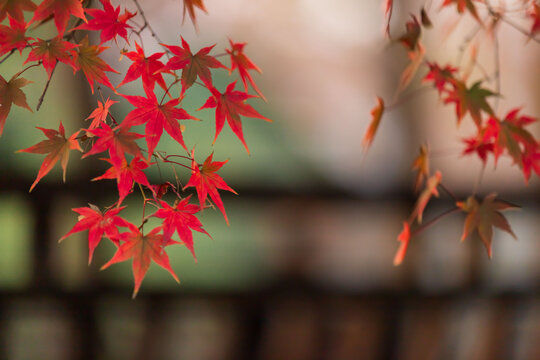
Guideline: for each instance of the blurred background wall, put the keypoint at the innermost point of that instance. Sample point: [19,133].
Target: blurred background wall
[304,271]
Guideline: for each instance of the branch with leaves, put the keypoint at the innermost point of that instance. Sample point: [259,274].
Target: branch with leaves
[152,115]
[496,134]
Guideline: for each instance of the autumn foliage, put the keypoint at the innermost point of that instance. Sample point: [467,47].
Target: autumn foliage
[130,145]
[497,133]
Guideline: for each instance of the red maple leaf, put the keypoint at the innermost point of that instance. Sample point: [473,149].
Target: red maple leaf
[157,117]
[189,6]
[192,65]
[241,63]
[92,65]
[13,36]
[99,115]
[142,249]
[60,10]
[471,100]
[57,147]
[207,182]
[180,218]
[440,76]
[147,68]
[534,14]
[11,93]
[49,52]
[229,106]
[480,145]
[125,175]
[97,224]
[108,21]
[511,136]
[15,8]
[117,141]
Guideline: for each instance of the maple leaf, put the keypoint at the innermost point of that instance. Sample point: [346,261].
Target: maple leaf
[440,76]
[189,7]
[470,100]
[49,52]
[108,21]
[192,65]
[125,175]
[229,106]
[479,145]
[430,190]
[180,218]
[117,141]
[99,115]
[142,249]
[388,6]
[421,164]
[98,224]
[15,8]
[424,18]
[411,37]
[483,216]
[157,117]
[376,115]
[416,56]
[534,14]
[60,10]
[92,65]
[241,63]
[11,93]
[207,182]
[147,68]
[404,237]
[13,36]
[57,147]
[463,5]
[531,161]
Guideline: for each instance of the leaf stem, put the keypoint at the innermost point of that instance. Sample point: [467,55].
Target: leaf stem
[42,97]
[450,193]
[8,55]
[146,23]
[410,95]
[425,225]
[26,68]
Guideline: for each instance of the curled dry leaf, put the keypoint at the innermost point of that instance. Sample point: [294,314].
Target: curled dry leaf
[376,115]
[430,190]
[404,238]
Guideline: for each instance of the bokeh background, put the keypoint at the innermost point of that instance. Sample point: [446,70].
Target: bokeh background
[305,270]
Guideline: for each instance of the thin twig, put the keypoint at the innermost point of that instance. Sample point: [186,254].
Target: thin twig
[409,96]
[8,55]
[26,68]
[450,193]
[497,73]
[520,29]
[42,97]
[146,23]
[425,225]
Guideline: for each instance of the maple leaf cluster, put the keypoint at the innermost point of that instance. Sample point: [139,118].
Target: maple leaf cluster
[495,136]
[117,140]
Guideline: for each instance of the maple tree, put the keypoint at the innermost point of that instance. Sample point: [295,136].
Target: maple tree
[496,134]
[114,139]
